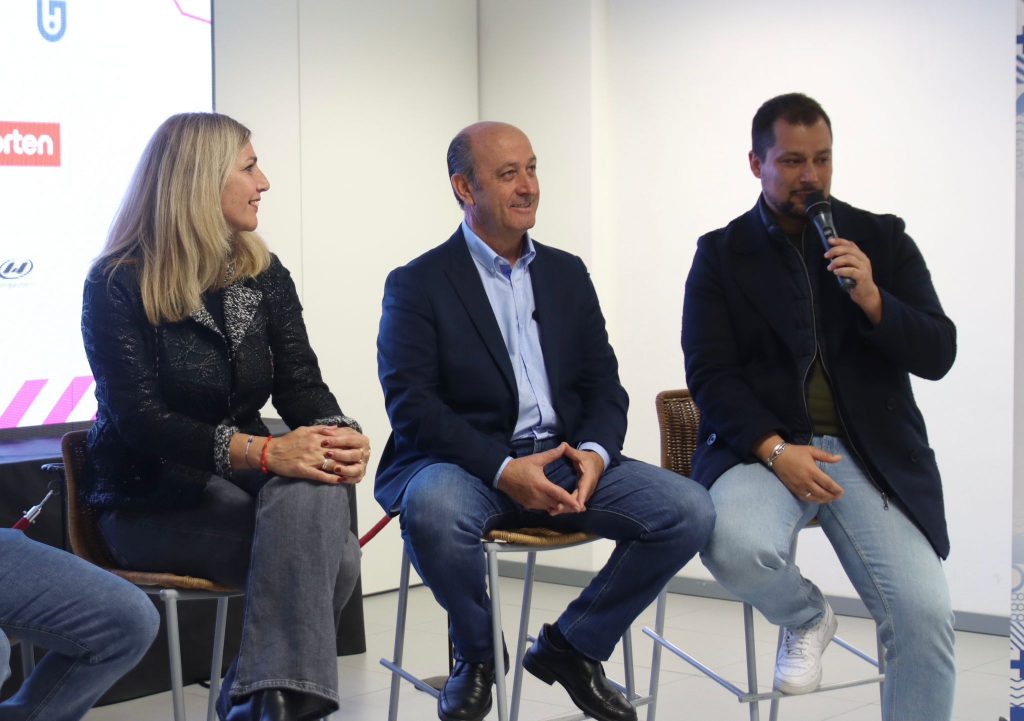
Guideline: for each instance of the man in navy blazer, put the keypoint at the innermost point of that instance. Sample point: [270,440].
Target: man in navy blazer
[807,411]
[507,411]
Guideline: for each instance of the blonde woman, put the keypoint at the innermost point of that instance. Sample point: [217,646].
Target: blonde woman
[190,326]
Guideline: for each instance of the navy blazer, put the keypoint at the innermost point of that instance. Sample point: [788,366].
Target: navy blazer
[448,382]
[749,339]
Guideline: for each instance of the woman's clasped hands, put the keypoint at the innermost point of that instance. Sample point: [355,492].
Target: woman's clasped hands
[327,454]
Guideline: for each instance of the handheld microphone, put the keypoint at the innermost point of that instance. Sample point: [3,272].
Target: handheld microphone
[819,210]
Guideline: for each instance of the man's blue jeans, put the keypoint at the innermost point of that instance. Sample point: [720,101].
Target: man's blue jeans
[658,519]
[94,625]
[889,561]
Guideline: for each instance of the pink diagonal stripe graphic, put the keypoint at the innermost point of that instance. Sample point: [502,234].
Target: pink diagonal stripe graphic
[19,406]
[190,15]
[68,400]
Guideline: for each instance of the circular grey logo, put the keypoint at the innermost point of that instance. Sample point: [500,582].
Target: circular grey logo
[14,268]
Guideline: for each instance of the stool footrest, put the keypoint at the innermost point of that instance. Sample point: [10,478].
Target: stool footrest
[414,680]
[856,651]
[770,695]
[751,696]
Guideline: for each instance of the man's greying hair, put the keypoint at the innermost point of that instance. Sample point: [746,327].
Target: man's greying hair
[794,108]
[460,160]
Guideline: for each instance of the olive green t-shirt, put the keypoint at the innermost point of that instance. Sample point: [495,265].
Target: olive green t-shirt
[821,404]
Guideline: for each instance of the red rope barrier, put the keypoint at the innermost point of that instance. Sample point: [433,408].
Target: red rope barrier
[368,536]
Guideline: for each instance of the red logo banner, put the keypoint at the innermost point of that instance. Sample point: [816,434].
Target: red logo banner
[24,144]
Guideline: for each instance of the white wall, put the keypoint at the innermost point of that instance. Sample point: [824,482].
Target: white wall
[536,72]
[920,96]
[352,105]
[639,113]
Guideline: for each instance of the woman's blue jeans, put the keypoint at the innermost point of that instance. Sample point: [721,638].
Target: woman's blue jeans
[288,543]
[894,569]
[658,519]
[94,625]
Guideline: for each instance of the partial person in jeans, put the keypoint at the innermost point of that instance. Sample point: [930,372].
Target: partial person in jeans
[94,626]
[807,412]
[190,326]
[506,408]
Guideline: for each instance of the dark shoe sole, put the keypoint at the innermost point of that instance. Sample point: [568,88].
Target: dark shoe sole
[443,717]
[539,670]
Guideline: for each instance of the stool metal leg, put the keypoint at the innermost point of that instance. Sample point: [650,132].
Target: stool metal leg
[28,658]
[773,713]
[494,584]
[403,602]
[659,628]
[218,657]
[627,660]
[170,598]
[748,636]
[881,668]
[524,629]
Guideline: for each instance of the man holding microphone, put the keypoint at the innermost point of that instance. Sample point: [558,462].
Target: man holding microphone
[800,360]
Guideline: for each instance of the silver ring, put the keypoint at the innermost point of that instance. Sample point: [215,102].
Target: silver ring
[807,495]
[327,462]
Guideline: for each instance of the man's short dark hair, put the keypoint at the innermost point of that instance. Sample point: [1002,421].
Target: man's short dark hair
[460,160]
[794,108]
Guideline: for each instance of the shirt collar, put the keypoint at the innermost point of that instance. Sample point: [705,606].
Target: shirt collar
[768,219]
[766,215]
[487,258]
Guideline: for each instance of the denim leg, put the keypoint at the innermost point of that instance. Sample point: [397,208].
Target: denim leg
[212,540]
[94,625]
[444,512]
[303,557]
[287,542]
[749,549]
[658,520]
[900,579]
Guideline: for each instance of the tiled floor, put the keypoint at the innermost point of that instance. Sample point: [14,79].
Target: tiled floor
[709,629]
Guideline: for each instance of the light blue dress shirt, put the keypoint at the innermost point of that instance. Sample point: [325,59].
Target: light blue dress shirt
[510,292]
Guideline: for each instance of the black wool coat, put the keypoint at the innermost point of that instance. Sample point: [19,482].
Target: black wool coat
[749,335]
[163,390]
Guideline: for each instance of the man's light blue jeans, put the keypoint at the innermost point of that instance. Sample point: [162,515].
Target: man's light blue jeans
[94,625]
[887,558]
[658,519]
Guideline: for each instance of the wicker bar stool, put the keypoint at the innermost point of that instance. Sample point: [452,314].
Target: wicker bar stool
[679,422]
[87,544]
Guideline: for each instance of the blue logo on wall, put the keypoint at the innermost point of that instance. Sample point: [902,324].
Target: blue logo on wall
[52,18]
[12,269]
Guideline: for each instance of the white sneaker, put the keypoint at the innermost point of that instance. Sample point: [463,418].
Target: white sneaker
[798,665]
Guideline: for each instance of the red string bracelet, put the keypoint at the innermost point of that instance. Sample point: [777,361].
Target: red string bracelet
[263,455]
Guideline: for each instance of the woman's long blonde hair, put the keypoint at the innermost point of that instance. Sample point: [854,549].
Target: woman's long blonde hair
[171,224]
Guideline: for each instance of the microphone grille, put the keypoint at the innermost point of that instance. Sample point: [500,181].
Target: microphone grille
[816,203]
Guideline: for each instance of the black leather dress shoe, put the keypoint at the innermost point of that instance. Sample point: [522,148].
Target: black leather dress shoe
[582,678]
[277,704]
[466,695]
